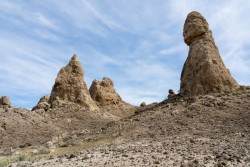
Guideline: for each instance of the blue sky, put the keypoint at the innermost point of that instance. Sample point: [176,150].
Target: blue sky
[138,44]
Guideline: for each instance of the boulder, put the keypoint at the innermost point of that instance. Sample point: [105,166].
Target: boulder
[143,104]
[204,71]
[42,104]
[103,92]
[5,102]
[70,87]
[170,93]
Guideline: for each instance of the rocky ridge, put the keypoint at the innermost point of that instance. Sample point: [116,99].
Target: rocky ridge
[70,108]
[211,130]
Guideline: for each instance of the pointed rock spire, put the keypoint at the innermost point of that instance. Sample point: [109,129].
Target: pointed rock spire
[70,87]
[204,71]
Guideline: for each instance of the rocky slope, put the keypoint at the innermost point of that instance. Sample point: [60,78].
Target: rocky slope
[68,113]
[211,130]
[21,128]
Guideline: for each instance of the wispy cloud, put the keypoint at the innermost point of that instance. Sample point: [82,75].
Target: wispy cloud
[139,45]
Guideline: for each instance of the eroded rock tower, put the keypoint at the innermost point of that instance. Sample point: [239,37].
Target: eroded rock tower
[70,87]
[204,71]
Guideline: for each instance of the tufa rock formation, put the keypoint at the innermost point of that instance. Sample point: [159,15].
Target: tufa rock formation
[111,104]
[5,102]
[42,104]
[171,93]
[143,104]
[204,71]
[70,87]
[103,92]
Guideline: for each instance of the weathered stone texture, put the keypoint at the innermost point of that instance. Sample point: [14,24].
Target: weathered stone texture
[103,92]
[5,102]
[70,87]
[204,71]
[42,104]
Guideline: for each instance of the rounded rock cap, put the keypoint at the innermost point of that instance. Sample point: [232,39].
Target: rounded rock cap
[195,25]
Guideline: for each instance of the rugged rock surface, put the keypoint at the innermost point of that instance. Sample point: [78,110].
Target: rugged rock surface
[5,102]
[103,92]
[42,104]
[171,151]
[63,126]
[21,128]
[70,87]
[212,130]
[204,71]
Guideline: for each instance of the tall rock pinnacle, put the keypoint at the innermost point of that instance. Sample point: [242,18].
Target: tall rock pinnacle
[70,87]
[204,71]
[5,102]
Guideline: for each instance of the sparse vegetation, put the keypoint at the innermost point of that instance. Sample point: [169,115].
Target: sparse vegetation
[27,154]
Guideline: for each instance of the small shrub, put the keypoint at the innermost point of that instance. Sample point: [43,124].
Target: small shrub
[21,158]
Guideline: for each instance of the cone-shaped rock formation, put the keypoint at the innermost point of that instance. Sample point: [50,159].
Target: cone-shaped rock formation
[204,71]
[70,87]
[104,92]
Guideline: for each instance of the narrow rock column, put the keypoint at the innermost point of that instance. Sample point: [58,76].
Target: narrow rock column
[204,71]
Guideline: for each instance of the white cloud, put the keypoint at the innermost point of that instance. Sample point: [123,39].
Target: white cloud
[171,51]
